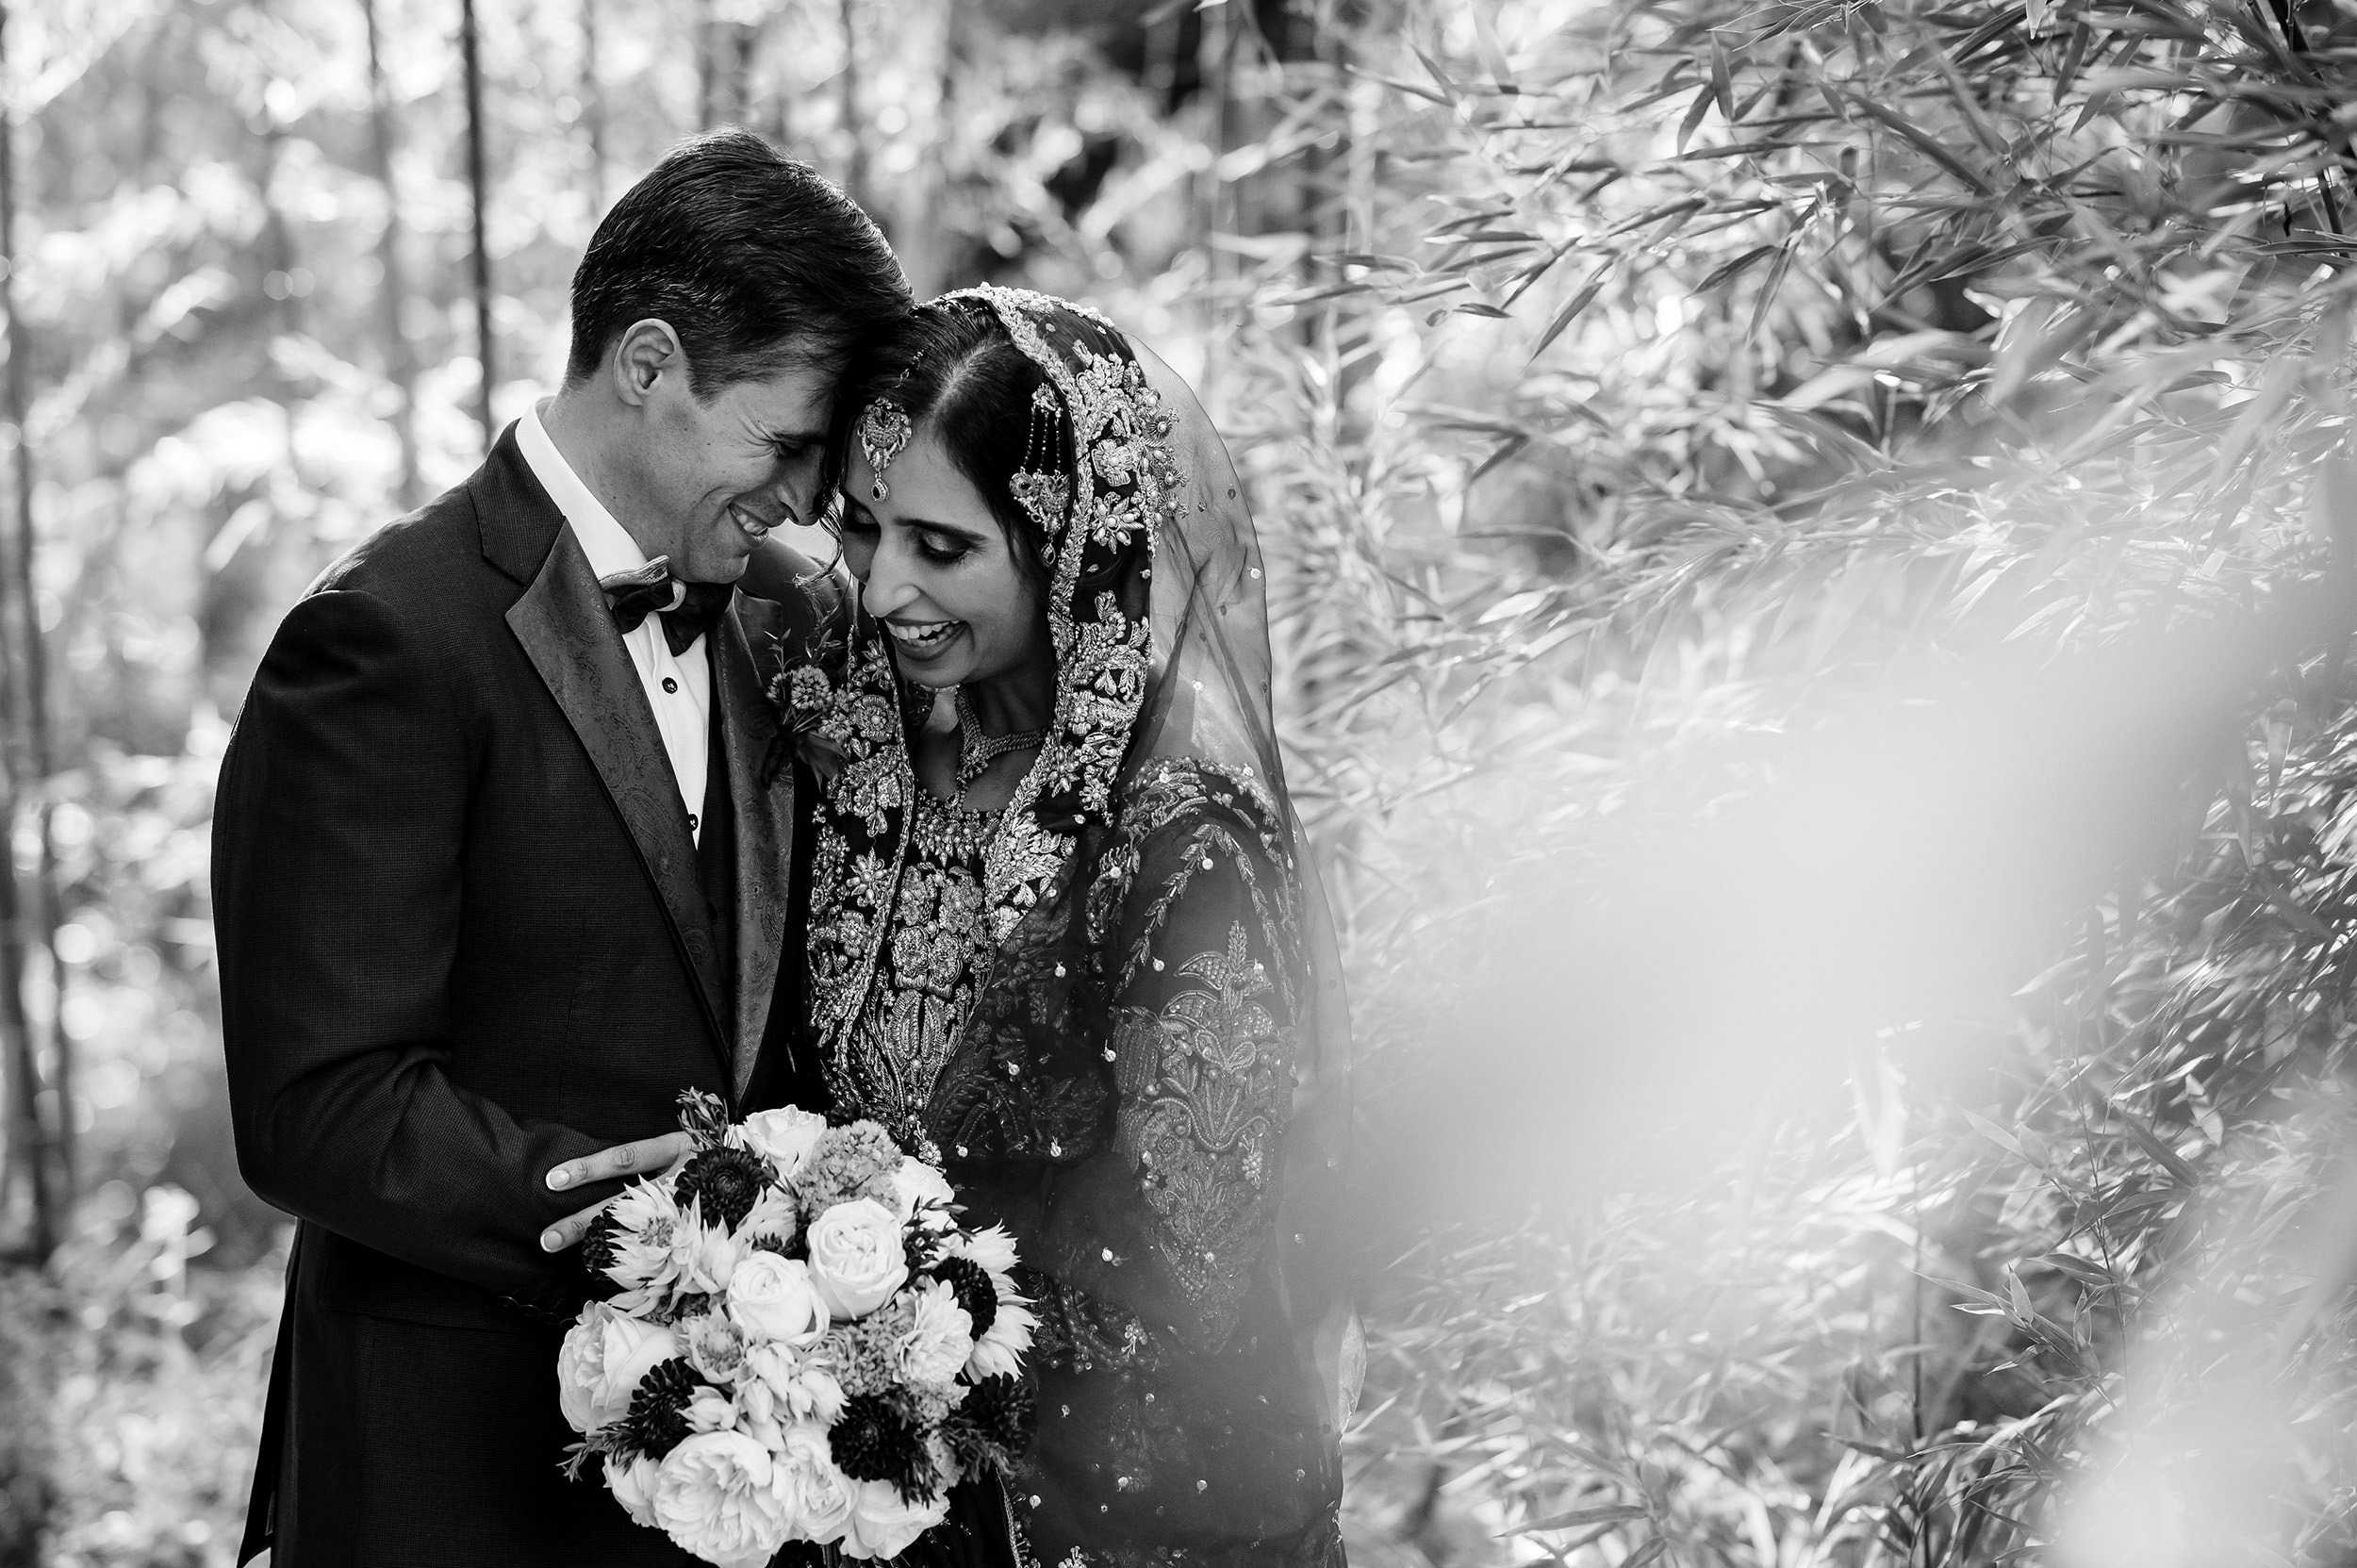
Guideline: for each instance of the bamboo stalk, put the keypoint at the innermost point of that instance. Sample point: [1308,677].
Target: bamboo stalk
[48,1156]
[706,67]
[855,176]
[593,104]
[485,344]
[733,44]
[401,365]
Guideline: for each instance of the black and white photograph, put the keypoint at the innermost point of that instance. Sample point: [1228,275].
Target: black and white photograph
[1179,783]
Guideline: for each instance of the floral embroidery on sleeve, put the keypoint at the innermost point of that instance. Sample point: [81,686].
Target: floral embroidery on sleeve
[1205,1083]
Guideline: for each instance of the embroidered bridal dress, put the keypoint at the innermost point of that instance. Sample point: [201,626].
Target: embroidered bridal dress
[1110,1010]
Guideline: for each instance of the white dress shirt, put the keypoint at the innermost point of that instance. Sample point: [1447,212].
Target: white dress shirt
[678,686]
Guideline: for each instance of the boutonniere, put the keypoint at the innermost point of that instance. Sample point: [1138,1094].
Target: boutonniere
[808,707]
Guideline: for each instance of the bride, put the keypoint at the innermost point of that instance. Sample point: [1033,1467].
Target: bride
[1064,937]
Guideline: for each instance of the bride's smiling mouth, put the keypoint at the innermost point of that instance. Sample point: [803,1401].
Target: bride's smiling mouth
[923,638]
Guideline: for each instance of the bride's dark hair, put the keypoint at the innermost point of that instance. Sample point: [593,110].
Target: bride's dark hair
[952,366]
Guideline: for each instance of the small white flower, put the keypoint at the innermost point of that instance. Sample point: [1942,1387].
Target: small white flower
[773,1214]
[716,1347]
[801,1386]
[757,1415]
[709,1409]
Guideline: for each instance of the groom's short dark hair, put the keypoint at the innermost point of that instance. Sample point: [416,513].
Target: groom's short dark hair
[755,261]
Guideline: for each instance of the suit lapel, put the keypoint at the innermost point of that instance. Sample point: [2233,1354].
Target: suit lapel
[563,624]
[747,723]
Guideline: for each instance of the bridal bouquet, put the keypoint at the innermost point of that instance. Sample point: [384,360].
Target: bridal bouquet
[806,1345]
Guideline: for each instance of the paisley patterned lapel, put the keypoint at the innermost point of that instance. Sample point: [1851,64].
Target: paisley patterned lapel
[747,723]
[563,624]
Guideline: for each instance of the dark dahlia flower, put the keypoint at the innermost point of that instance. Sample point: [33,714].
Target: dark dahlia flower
[992,1425]
[875,1442]
[975,1293]
[657,1421]
[1001,1410]
[597,1242]
[726,1181]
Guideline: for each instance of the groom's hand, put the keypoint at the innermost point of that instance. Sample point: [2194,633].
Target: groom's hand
[645,1156]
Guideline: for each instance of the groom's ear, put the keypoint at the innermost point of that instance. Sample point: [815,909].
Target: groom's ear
[648,359]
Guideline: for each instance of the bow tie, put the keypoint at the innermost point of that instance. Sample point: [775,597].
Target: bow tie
[688,609]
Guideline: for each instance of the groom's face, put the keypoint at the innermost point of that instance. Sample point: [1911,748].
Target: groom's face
[717,474]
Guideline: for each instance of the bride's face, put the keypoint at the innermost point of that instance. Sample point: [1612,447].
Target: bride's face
[937,570]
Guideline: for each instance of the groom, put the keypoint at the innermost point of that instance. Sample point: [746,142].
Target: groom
[496,876]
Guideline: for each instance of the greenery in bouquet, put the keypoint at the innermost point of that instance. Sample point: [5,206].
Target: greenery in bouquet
[804,1343]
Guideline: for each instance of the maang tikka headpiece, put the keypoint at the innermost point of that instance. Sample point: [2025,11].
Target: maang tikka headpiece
[884,430]
[1040,487]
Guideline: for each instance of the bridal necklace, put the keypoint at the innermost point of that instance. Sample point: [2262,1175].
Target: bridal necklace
[977,750]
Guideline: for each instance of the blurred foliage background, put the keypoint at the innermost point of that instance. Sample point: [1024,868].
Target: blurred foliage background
[1628,387]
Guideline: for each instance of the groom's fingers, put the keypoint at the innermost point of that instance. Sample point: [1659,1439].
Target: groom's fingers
[568,1232]
[608,1164]
[611,1164]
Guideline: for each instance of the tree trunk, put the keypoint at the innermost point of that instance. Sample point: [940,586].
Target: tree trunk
[44,1119]
[485,344]
[401,364]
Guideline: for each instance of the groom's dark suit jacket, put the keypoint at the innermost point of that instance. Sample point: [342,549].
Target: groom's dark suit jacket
[464,934]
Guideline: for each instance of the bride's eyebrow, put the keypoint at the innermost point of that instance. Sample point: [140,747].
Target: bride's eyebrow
[953,529]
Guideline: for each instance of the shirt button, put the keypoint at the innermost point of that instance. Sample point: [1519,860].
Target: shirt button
[693,823]
[670,685]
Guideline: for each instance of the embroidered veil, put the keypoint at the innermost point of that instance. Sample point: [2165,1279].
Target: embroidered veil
[1151,1088]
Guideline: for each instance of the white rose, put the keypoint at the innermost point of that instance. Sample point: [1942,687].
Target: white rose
[716,1499]
[707,1257]
[884,1523]
[772,1214]
[603,1357]
[772,1298]
[633,1485]
[784,1138]
[916,1183]
[940,1340]
[816,1495]
[856,1258]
